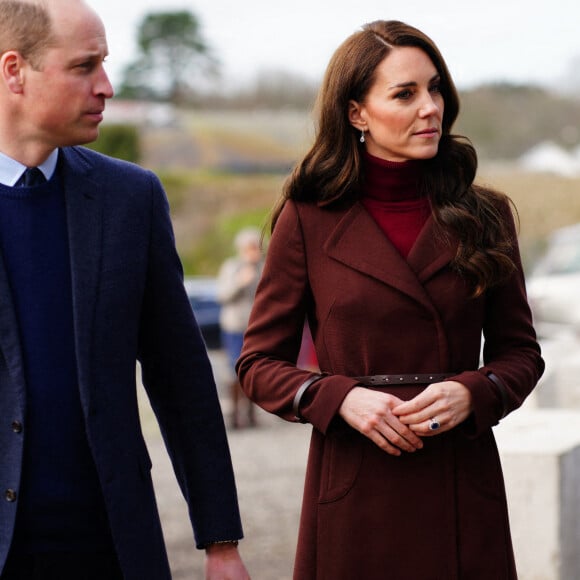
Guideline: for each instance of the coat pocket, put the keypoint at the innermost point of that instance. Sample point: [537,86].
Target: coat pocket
[341,462]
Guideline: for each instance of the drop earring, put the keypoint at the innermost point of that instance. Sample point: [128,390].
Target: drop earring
[362,136]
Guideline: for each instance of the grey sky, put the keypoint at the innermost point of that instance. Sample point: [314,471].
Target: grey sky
[494,40]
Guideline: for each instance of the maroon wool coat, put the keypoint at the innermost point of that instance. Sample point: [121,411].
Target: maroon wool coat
[439,513]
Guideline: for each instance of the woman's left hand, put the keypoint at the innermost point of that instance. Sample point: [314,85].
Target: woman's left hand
[439,408]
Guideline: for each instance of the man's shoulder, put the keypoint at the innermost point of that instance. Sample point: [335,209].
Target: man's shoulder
[83,158]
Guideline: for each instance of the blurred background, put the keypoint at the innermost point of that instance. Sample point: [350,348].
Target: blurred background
[216,98]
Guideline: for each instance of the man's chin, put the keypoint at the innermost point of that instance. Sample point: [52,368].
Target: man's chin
[84,138]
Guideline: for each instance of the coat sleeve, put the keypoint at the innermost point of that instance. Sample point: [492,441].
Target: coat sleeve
[178,378]
[267,365]
[512,362]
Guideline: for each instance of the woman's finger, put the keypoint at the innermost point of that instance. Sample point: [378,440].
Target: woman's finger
[369,412]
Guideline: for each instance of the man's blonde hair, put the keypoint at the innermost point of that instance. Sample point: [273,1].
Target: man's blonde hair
[25,26]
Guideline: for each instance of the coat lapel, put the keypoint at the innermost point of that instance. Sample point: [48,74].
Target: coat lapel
[358,242]
[84,216]
[431,252]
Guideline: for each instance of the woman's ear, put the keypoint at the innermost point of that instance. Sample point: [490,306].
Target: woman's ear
[355,115]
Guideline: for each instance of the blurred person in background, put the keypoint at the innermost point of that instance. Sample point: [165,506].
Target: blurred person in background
[400,263]
[236,286]
[90,283]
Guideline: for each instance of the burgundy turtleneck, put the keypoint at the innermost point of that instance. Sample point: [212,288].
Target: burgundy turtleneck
[391,196]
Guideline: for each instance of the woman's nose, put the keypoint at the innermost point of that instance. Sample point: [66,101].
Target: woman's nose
[429,106]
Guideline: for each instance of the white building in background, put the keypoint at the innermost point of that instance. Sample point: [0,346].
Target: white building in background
[140,113]
[549,157]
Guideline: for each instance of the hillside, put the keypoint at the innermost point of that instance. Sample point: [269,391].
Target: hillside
[225,169]
[505,121]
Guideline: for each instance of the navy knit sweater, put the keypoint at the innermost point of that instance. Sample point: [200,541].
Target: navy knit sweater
[60,502]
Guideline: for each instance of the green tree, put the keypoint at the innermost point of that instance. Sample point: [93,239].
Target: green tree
[173,57]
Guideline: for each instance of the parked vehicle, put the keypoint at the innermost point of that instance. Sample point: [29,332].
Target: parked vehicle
[554,286]
[202,296]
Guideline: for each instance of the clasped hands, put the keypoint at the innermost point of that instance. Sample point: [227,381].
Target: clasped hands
[396,425]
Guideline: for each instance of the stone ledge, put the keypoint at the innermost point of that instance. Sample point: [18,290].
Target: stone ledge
[540,453]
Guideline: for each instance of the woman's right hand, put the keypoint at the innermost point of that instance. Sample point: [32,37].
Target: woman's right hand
[370,413]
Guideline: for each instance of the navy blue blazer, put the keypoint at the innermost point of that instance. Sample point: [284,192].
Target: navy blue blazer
[129,305]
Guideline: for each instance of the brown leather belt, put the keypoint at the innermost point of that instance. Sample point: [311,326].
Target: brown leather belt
[403,379]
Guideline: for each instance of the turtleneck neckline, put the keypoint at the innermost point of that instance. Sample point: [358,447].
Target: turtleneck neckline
[391,180]
[391,196]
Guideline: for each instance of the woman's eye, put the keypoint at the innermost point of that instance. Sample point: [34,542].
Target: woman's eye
[406,94]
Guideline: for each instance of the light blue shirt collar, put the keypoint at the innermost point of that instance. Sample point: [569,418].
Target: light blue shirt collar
[11,170]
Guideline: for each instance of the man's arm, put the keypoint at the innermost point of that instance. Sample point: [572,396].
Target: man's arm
[178,378]
[223,562]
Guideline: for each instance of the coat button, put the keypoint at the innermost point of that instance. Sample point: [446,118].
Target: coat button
[16,426]
[10,495]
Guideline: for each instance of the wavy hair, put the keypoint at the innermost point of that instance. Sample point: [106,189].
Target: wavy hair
[332,171]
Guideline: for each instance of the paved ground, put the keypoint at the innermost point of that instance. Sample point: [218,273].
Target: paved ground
[269,463]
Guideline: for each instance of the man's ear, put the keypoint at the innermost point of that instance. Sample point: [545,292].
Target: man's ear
[12,71]
[355,115]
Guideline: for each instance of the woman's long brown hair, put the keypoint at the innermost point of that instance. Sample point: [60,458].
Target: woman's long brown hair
[332,171]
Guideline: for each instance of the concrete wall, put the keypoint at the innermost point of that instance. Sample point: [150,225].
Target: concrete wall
[540,452]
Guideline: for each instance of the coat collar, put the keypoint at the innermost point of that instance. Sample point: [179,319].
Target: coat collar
[358,242]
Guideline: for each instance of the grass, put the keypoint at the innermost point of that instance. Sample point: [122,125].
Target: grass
[209,210]
[544,202]
[213,208]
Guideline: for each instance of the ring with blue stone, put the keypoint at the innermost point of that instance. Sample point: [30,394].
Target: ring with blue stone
[434,424]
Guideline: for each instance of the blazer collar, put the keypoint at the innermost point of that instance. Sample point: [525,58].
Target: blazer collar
[84,215]
[358,242]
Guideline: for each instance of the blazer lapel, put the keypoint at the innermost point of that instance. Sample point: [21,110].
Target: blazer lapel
[84,215]
[10,347]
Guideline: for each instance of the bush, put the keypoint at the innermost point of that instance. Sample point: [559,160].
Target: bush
[121,141]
